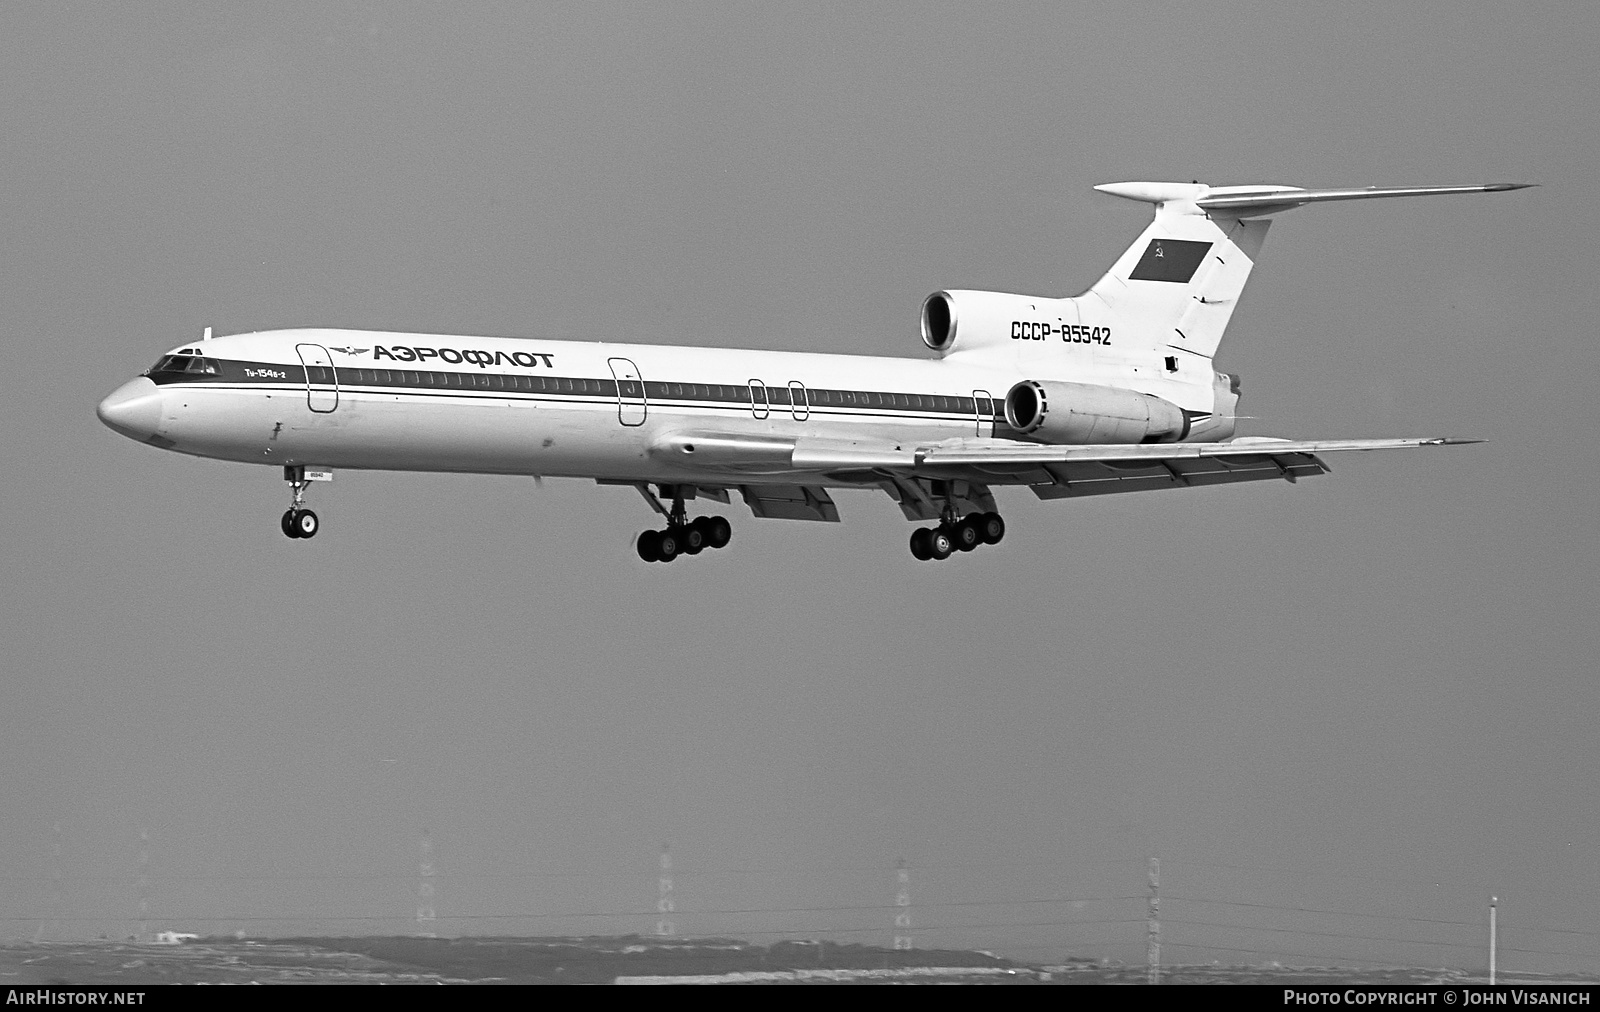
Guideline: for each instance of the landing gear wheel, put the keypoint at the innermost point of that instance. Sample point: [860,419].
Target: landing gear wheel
[718,531]
[966,534]
[646,546]
[668,544]
[287,523]
[693,538]
[939,543]
[991,527]
[306,524]
[919,544]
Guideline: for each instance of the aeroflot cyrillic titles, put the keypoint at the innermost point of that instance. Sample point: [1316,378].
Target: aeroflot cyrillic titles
[1023,390]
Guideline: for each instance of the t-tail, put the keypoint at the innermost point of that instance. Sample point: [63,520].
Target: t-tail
[1176,287]
[1151,326]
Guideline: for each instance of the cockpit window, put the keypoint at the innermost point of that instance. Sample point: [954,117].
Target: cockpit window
[184,365]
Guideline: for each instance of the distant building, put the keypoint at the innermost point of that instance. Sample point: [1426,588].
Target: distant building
[175,937]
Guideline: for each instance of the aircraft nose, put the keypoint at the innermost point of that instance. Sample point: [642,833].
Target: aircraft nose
[133,409]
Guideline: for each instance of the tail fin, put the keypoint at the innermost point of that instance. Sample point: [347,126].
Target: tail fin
[1176,287]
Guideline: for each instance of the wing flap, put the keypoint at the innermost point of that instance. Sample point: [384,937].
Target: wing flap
[1083,478]
[790,502]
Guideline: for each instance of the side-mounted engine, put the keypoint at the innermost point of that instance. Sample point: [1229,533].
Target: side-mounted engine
[1076,413]
[964,320]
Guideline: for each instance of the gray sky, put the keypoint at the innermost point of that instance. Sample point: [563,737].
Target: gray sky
[1371,692]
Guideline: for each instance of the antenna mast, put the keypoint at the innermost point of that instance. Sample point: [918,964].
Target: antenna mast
[425,912]
[1153,923]
[48,926]
[902,903]
[664,902]
[142,932]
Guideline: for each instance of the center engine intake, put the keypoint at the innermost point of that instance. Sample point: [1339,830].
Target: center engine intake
[1077,413]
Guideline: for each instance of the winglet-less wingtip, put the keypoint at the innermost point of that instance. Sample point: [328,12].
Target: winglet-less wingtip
[1452,441]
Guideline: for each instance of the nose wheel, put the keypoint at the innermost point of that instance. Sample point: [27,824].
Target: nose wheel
[964,535]
[297,521]
[300,523]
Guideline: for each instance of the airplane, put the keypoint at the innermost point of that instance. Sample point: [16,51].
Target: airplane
[1111,391]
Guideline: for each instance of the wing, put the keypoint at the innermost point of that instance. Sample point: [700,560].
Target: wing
[1061,472]
[786,478]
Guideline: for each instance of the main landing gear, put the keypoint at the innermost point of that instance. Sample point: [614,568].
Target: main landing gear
[683,536]
[299,522]
[957,535]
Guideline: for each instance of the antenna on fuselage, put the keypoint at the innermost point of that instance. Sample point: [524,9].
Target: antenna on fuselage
[205,335]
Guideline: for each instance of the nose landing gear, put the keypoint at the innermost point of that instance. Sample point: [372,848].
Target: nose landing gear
[683,536]
[298,522]
[936,543]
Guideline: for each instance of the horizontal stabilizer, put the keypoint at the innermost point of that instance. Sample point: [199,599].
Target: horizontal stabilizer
[1271,198]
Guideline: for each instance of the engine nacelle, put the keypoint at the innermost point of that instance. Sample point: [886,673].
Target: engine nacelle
[963,320]
[1076,413]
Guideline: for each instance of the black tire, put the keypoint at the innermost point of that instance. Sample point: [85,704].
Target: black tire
[992,527]
[718,532]
[287,523]
[940,544]
[306,524]
[646,547]
[919,545]
[668,544]
[966,535]
[693,538]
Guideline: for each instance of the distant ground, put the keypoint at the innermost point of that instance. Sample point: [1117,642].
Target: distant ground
[401,960]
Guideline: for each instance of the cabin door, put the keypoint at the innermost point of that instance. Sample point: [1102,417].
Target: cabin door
[322,381]
[631,405]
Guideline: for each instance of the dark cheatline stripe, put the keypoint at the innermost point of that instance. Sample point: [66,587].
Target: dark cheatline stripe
[1170,260]
[426,381]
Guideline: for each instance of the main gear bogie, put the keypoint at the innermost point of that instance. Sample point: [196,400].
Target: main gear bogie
[963,535]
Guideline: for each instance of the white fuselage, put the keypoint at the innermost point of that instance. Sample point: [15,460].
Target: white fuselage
[410,402]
